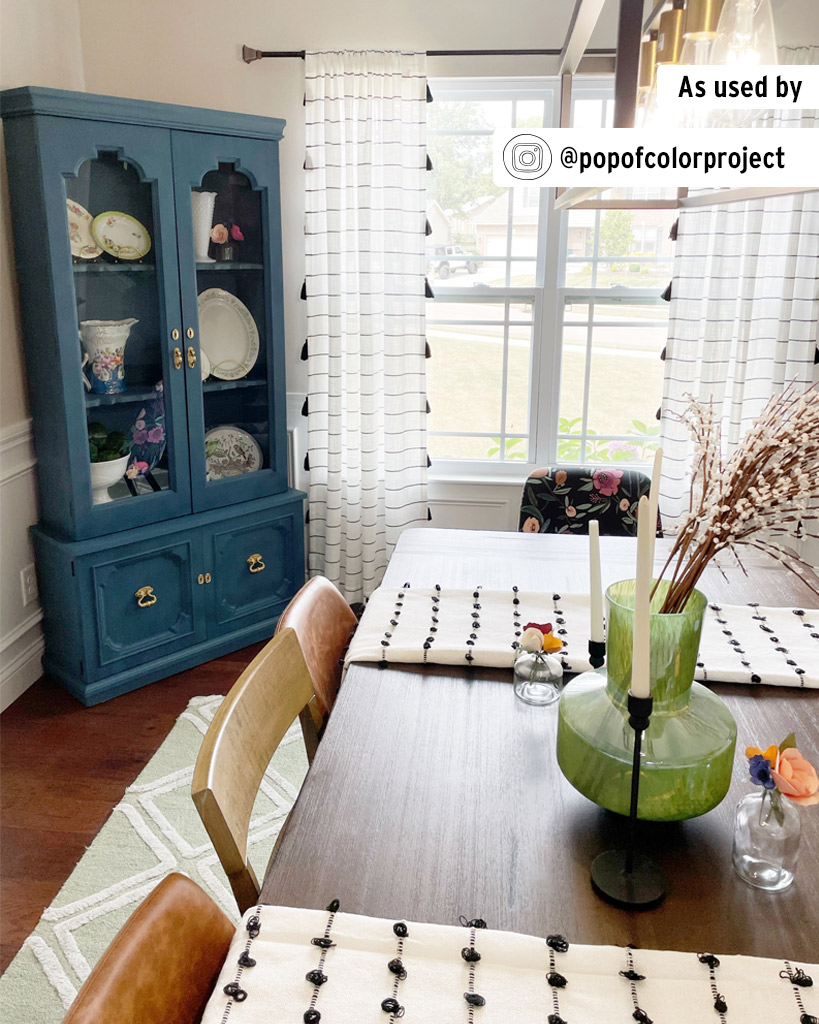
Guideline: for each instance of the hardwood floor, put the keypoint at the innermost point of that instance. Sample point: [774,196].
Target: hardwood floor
[63,767]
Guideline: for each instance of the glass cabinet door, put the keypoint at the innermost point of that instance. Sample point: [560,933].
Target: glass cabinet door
[227,198]
[112,214]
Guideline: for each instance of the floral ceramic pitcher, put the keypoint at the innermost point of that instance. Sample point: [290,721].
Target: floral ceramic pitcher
[104,344]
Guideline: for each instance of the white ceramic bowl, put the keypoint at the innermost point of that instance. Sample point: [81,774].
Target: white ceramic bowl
[105,475]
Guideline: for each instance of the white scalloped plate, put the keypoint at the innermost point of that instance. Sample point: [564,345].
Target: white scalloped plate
[229,333]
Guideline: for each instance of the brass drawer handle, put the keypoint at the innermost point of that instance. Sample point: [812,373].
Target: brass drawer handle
[145,597]
[177,358]
[208,577]
[190,332]
[175,334]
[200,579]
[255,562]
[191,356]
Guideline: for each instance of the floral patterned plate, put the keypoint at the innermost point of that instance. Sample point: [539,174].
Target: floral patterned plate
[230,451]
[148,435]
[121,235]
[79,232]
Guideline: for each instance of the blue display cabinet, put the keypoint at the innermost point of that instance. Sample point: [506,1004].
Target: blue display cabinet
[148,251]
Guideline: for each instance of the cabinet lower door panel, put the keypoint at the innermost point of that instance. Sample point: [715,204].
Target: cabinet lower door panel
[258,564]
[145,604]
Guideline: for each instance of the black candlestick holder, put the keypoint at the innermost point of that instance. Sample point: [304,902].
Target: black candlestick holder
[597,653]
[627,878]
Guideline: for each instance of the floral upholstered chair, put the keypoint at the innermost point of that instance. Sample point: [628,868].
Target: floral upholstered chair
[564,500]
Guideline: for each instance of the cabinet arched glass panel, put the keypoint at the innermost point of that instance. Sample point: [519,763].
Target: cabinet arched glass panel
[112,236]
[234,338]
[232,322]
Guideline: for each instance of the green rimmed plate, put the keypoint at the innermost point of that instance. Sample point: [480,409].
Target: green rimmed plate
[121,235]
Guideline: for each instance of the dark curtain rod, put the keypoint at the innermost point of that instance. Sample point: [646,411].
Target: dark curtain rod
[249,54]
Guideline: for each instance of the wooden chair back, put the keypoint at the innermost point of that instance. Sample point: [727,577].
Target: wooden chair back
[162,965]
[244,734]
[323,622]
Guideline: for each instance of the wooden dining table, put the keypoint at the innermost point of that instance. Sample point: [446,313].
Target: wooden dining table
[435,793]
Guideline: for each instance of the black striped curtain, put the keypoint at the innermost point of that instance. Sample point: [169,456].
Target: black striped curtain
[365,181]
[744,312]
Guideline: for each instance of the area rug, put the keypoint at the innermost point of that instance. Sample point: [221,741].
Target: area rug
[154,830]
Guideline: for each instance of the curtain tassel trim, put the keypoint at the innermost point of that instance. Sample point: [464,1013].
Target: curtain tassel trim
[304,408]
[427,228]
[429,462]
[664,354]
[429,94]
[304,351]
[675,227]
[430,294]
[304,290]
[307,462]
[429,162]
[428,350]
[429,408]
[666,296]
[429,514]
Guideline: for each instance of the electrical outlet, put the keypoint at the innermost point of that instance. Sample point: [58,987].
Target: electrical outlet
[28,583]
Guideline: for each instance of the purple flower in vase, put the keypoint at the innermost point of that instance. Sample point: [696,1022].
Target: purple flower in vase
[760,769]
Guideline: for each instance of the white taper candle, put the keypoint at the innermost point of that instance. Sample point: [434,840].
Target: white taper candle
[654,499]
[640,678]
[595,588]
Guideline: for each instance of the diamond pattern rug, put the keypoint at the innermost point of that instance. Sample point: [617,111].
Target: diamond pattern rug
[154,829]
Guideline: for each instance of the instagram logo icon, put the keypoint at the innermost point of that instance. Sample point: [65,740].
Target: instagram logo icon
[527,157]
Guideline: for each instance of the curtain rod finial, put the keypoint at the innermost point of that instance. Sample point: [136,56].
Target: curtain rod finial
[249,54]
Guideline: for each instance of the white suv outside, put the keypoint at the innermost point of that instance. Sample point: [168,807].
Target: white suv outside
[445,259]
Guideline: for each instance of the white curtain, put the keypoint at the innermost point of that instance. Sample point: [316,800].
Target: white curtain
[744,311]
[365,115]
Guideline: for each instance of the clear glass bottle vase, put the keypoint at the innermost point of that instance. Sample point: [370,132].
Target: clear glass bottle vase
[767,828]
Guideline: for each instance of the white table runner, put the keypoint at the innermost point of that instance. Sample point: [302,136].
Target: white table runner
[740,643]
[518,977]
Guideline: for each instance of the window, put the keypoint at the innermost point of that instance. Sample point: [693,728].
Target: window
[541,321]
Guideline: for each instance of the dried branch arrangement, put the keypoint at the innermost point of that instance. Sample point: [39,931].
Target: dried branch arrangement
[768,489]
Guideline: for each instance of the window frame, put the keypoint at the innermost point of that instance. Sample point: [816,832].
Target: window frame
[548,296]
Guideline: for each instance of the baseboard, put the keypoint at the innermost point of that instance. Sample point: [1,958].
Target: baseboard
[17,675]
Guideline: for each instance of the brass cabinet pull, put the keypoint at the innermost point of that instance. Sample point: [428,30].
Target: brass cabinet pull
[190,333]
[175,334]
[200,579]
[191,356]
[177,356]
[208,577]
[145,597]
[255,562]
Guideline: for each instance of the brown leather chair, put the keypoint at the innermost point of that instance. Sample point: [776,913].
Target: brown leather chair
[251,721]
[323,622]
[163,963]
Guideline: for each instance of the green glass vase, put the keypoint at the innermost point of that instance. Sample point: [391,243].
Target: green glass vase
[688,748]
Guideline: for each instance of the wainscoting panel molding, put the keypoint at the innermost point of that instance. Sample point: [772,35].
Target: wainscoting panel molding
[21,634]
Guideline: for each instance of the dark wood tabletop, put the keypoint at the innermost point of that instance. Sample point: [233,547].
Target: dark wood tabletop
[434,795]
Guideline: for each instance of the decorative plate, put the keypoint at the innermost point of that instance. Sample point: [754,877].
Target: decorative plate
[121,235]
[229,333]
[204,363]
[79,232]
[148,435]
[230,451]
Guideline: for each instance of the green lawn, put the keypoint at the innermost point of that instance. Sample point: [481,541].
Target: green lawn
[464,385]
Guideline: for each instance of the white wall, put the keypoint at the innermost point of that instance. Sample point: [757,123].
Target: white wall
[39,45]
